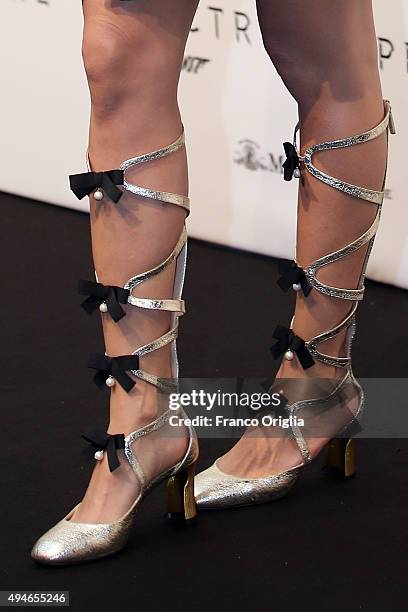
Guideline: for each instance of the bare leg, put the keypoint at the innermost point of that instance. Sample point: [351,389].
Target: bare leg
[327,58]
[132,54]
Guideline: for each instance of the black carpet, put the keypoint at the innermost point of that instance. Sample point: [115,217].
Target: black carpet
[329,545]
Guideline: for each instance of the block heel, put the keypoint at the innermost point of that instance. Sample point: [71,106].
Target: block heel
[180,500]
[341,456]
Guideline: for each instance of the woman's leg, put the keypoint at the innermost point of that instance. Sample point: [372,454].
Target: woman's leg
[327,58]
[133,53]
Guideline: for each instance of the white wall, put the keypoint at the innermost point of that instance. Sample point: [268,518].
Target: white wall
[235,110]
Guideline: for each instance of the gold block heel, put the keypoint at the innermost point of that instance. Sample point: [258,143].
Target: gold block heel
[341,456]
[180,500]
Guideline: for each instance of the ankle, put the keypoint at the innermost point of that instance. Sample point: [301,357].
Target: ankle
[293,369]
[130,411]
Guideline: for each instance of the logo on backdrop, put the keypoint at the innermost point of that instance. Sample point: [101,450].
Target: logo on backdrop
[194,64]
[250,155]
[217,21]
[386,50]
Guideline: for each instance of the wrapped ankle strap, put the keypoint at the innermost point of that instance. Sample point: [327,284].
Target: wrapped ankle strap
[305,279]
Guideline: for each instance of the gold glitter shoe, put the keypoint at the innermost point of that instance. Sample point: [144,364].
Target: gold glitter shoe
[214,489]
[68,542]
[71,542]
[312,399]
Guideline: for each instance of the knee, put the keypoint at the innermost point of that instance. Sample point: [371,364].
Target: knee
[122,69]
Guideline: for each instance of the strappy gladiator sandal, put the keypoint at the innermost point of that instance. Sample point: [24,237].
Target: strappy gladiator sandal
[215,489]
[70,542]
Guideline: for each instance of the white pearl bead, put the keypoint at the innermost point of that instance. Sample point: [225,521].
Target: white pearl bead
[296,173]
[98,195]
[98,455]
[296,287]
[110,381]
[103,307]
[289,355]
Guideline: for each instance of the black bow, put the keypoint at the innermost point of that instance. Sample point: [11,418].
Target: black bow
[286,340]
[86,183]
[112,296]
[100,440]
[116,367]
[292,161]
[292,274]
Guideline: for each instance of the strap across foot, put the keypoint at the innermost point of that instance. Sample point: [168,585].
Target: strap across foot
[100,442]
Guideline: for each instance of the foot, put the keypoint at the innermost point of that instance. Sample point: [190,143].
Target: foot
[269,451]
[111,494]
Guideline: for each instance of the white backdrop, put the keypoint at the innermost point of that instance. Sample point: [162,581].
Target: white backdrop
[235,109]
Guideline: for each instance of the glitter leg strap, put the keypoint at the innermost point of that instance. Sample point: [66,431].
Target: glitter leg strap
[109,299]
[163,196]
[308,278]
[369,195]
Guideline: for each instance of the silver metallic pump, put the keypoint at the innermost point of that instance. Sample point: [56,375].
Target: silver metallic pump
[215,489]
[70,542]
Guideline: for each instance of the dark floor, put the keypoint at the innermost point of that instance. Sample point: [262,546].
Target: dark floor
[329,546]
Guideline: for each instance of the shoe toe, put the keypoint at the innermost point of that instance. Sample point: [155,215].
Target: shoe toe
[66,545]
[68,542]
[49,551]
[56,546]
[63,544]
[215,489]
